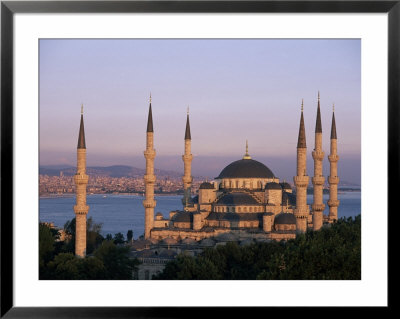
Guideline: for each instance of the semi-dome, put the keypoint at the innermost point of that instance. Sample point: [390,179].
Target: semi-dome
[246,168]
[285,218]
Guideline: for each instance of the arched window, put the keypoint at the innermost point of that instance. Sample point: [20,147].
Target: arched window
[147,275]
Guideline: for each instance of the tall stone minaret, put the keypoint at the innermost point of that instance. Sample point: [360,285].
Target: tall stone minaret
[187,162]
[149,178]
[81,180]
[318,180]
[301,180]
[333,179]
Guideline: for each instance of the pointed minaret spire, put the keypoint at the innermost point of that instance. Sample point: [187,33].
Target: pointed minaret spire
[187,132]
[150,119]
[301,179]
[81,138]
[333,130]
[247,156]
[333,178]
[187,178]
[301,143]
[318,125]
[81,180]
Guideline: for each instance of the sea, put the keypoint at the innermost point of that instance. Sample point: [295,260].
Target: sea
[120,213]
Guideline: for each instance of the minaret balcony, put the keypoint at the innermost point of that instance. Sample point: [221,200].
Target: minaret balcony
[187,157]
[333,180]
[149,203]
[149,154]
[318,180]
[318,155]
[333,202]
[149,179]
[301,212]
[81,209]
[301,181]
[81,178]
[333,158]
[318,207]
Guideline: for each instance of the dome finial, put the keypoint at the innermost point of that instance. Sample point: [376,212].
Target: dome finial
[188,110]
[333,107]
[247,156]
[318,95]
[82,108]
[302,104]
[150,97]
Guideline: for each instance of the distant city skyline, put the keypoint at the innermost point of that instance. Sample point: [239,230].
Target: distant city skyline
[236,90]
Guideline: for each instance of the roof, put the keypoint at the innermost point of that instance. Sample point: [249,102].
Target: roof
[237,199]
[235,216]
[81,138]
[183,217]
[318,125]
[206,185]
[246,168]
[150,120]
[301,142]
[273,185]
[288,198]
[285,185]
[333,130]
[187,132]
[285,218]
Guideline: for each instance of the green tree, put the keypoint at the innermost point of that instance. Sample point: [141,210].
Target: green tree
[116,261]
[129,235]
[46,246]
[93,236]
[119,238]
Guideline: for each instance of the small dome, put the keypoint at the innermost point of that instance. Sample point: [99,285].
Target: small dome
[285,218]
[286,185]
[206,185]
[159,214]
[273,185]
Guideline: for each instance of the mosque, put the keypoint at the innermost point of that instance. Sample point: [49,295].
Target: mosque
[246,198]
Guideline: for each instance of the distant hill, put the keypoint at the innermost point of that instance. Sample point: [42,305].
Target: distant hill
[111,171]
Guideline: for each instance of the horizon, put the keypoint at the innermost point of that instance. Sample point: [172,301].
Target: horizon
[237,90]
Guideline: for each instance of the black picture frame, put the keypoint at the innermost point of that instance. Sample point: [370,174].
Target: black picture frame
[9,8]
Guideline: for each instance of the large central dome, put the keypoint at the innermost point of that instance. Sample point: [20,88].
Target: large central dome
[246,168]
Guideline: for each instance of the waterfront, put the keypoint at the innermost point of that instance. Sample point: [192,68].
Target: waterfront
[120,213]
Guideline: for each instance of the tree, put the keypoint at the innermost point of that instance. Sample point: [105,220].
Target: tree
[116,261]
[46,246]
[334,252]
[129,235]
[119,238]
[93,236]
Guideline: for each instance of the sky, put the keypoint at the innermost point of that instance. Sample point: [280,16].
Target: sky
[236,90]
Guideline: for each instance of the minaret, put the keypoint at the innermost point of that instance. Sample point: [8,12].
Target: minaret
[81,180]
[318,180]
[301,180]
[333,179]
[187,162]
[149,178]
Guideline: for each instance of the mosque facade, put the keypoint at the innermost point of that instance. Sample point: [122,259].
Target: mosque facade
[246,197]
